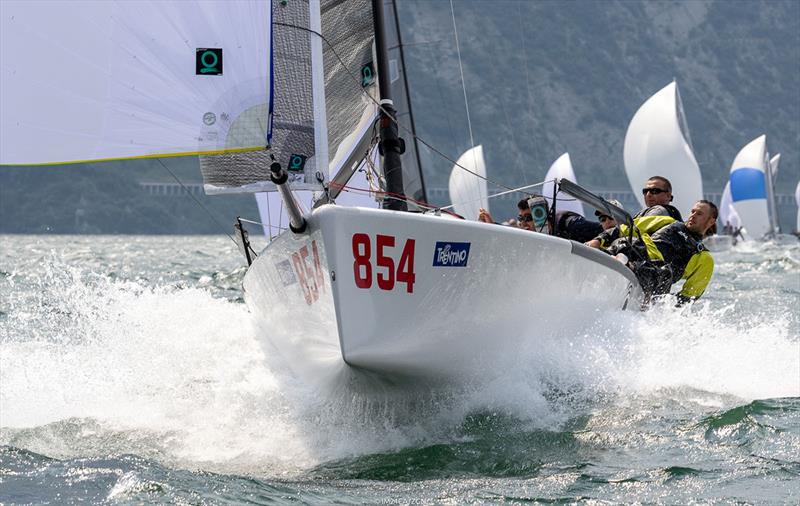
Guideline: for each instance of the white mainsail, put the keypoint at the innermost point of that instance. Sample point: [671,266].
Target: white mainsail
[657,143]
[468,192]
[561,169]
[727,214]
[749,188]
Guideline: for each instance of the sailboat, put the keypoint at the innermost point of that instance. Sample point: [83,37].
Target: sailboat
[752,192]
[468,190]
[285,96]
[561,169]
[728,224]
[657,143]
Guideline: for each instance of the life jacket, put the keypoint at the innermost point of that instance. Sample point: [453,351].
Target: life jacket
[660,210]
[665,251]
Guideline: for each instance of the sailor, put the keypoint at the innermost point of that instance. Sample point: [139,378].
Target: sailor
[573,226]
[566,224]
[524,218]
[657,193]
[607,222]
[665,251]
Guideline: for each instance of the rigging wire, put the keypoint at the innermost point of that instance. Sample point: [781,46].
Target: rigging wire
[461,70]
[381,108]
[204,208]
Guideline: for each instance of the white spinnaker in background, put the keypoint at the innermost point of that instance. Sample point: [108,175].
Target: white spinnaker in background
[80,81]
[749,188]
[561,169]
[657,143]
[468,192]
[727,214]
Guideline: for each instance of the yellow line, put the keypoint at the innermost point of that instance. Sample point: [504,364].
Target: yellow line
[141,157]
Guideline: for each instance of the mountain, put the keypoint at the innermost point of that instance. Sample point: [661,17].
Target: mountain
[544,77]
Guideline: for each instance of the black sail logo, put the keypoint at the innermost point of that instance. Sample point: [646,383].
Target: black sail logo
[208,61]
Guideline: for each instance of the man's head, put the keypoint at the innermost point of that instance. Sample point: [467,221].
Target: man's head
[657,191]
[525,217]
[606,221]
[702,217]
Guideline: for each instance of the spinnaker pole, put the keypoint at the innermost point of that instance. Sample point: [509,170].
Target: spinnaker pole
[391,145]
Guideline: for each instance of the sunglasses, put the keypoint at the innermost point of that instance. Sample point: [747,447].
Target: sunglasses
[654,191]
[525,217]
[604,219]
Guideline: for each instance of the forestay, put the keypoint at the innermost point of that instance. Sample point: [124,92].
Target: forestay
[88,80]
[657,143]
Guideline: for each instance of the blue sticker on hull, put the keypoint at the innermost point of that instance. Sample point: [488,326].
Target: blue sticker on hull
[451,254]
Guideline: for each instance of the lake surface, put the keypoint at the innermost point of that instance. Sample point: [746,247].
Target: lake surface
[131,372]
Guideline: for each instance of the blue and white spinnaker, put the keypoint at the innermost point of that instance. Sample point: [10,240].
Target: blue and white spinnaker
[748,184]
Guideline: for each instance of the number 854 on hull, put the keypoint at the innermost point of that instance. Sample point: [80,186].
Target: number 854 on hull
[406,295]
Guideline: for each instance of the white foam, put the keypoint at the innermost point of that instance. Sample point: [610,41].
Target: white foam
[180,375]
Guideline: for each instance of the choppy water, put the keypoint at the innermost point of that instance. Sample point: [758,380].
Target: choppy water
[130,372]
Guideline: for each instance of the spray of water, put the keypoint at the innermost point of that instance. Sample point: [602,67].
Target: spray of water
[90,364]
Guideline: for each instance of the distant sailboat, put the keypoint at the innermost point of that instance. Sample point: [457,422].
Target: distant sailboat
[748,184]
[468,192]
[727,214]
[561,169]
[728,224]
[657,143]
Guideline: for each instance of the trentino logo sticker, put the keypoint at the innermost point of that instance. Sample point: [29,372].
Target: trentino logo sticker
[451,254]
[208,61]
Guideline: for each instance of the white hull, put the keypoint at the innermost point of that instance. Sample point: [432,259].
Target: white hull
[514,286]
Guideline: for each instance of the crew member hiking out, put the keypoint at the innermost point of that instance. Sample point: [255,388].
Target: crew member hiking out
[665,251]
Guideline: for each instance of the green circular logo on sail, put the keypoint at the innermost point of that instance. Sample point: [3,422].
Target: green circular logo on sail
[367,75]
[297,163]
[208,61]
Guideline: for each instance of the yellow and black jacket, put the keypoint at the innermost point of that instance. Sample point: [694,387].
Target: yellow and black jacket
[669,241]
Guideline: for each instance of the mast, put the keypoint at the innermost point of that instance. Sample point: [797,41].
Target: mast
[391,145]
[773,210]
[408,100]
